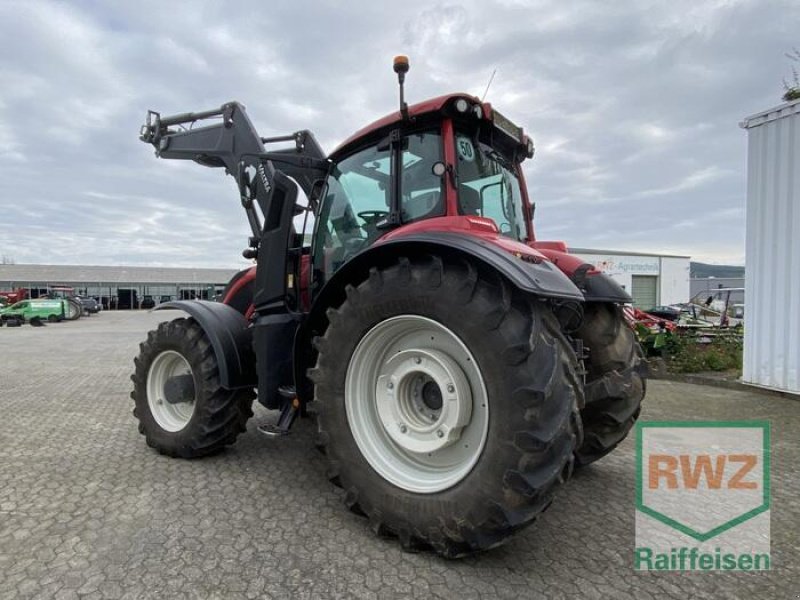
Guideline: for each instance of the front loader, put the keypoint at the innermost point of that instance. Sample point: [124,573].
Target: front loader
[458,368]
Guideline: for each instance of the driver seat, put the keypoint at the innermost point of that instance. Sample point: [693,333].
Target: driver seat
[469,201]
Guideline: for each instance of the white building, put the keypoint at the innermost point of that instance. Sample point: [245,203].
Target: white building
[651,279]
[772,254]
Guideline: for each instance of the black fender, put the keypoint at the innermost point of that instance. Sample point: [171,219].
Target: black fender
[230,336]
[541,278]
[599,287]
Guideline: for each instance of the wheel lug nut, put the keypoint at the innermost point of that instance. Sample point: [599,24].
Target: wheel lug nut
[417,360]
[440,433]
[390,385]
[403,428]
[451,388]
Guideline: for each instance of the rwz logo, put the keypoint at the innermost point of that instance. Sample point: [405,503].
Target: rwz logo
[702,495]
[664,468]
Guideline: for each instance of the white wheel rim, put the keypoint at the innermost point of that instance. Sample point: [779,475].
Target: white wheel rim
[420,439]
[170,417]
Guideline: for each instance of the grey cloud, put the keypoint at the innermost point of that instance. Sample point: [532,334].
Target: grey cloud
[633,105]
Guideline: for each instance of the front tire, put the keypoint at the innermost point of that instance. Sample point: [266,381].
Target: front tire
[182,409]
[511,371]
[615,381]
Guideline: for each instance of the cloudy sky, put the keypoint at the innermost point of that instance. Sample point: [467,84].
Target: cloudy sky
[634,107]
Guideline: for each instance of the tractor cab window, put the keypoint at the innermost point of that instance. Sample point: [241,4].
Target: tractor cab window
[422,195]
[489,186]
[356,199]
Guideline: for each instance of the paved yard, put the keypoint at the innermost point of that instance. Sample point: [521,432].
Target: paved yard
[88,511]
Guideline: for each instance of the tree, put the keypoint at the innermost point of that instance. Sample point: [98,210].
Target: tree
[7,260]
[792,89]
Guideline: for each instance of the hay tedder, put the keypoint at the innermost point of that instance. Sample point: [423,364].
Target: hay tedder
[457,367]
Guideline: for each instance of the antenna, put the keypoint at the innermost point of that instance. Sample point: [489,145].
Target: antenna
[401,68]
[491,79]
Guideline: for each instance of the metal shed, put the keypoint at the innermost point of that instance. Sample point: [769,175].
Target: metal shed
[772,313]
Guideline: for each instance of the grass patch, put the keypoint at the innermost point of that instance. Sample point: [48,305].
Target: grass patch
[695,352]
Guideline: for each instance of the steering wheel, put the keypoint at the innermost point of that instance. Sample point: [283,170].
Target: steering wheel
[370,216]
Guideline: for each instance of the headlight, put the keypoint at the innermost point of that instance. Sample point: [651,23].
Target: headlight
[462,105]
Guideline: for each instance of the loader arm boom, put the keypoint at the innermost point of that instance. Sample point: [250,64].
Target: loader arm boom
[231,141]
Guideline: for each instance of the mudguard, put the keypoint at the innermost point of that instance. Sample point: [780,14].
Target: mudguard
[540,278]
[595,285]
[228,332]
[599,287]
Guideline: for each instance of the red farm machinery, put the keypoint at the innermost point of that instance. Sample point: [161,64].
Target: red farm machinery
[457,367]
[13,296]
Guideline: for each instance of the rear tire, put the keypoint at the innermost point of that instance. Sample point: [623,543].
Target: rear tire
[615,381]
[216,416]
[530,387]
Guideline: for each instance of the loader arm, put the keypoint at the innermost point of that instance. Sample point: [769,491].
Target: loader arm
[231,141]
[268,187]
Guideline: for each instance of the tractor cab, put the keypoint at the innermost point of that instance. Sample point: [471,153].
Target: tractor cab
[451,163]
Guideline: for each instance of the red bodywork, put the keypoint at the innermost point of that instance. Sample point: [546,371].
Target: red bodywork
[240,284]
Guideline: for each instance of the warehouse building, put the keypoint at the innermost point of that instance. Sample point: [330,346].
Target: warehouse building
[118,287]
[651,279]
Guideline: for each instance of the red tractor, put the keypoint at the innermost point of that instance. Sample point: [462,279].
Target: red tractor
[457,367]
[14,296]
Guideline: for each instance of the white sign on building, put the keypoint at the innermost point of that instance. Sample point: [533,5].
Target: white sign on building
[651,279]
[627,265]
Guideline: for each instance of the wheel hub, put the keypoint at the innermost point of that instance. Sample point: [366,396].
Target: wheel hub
[409,420]
[170,390]
[179,388]
[416,403]
[432,395]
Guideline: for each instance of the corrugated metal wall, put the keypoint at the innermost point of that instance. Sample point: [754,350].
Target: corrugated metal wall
[772,276]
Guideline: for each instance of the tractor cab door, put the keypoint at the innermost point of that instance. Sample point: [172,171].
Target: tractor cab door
[364,188]
[356,200]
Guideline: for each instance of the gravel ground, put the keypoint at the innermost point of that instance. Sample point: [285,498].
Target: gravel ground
[88,511]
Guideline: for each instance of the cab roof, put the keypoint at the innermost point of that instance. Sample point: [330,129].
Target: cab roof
[431,105]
